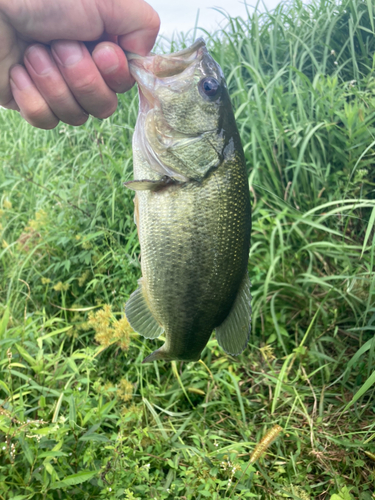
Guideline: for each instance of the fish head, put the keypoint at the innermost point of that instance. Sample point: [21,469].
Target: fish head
[185,120]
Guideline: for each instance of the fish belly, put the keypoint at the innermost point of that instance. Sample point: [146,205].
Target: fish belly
[195,241]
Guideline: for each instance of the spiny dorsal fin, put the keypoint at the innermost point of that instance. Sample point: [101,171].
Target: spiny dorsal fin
[234,333]
[140,317]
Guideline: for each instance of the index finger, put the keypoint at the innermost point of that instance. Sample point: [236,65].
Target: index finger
[83,20]
[137,31]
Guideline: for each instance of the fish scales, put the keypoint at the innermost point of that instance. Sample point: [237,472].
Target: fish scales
[194,234]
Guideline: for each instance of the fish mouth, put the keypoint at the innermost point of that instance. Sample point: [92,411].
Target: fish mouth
[176,72]
[164,65]
[155,69]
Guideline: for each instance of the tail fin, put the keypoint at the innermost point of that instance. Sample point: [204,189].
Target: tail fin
[158,354]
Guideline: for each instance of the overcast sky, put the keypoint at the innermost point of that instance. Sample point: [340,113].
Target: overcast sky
[180,15]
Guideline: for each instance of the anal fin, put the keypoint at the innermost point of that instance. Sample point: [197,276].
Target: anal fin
[234,333]
[140,317]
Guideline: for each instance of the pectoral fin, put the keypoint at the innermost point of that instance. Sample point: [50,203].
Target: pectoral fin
[233,334]
[148,185]
[140,317]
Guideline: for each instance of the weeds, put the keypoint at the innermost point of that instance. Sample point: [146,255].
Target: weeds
[79,414]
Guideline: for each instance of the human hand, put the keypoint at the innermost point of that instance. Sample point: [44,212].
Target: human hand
[60,78]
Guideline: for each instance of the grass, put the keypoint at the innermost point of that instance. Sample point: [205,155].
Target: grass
[79,414]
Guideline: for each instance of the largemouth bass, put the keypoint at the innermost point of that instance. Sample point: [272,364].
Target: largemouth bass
[192,207]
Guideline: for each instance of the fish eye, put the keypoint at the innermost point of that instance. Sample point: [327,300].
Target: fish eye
[209,87]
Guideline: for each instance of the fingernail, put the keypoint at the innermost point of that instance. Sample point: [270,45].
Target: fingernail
[68,53]
[19,78]
[39,60]
[106,59]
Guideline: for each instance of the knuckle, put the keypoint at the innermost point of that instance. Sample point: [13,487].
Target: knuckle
[151,20]
[36,112]
[155,21]
[87,85]
[58,95]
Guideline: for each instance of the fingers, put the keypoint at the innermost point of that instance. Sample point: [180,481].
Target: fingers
[10,54]
[113,66]
[11,105]
[142,39]
[64,83]
[52,86]
[136,23]
[83,78]
[32,105]
[46,20]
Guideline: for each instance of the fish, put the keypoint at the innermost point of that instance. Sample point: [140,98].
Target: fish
[191,207]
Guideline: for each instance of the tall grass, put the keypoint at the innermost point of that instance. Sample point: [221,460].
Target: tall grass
[302,84]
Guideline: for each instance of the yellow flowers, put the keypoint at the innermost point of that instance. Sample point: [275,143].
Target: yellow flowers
[40,221]
[83,278]
[31,234]
[61,287]
[296,491]
[7,204]
[125,390]
[86,245]
[108,329]
[107,388]
[267,353]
